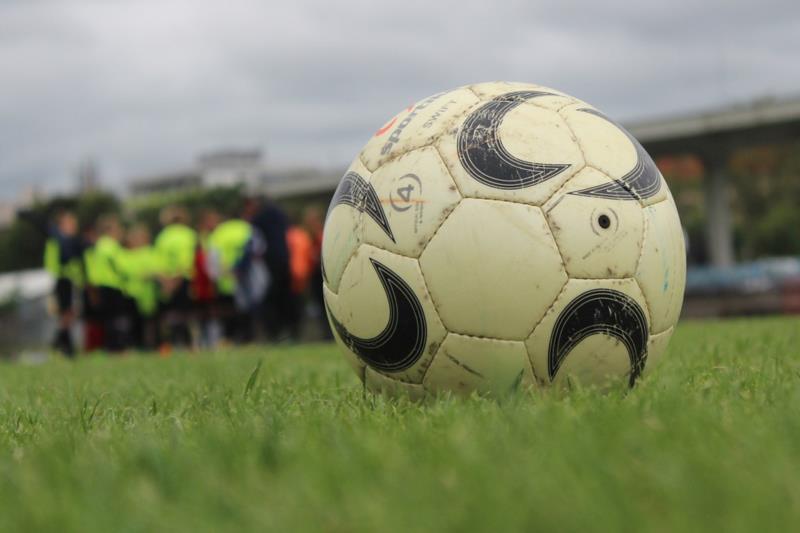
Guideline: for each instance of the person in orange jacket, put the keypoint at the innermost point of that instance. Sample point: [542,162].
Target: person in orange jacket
[314,221]
[301,266]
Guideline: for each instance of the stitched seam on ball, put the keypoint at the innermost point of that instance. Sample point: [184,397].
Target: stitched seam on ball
[347,264]
[538,322]
[580,146]
[658,334]
[395,157]
[435,355]
[574,137]
[432,141]
[555,241]
[478,195]
[647,305]
[549,309]
[422,270]
[486,338]
[562,187]
[438,319]
[449,172]
[533,102]
[456,332]
[580,149]
[645,237]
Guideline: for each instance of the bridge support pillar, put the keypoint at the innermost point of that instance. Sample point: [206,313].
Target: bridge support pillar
[719,227]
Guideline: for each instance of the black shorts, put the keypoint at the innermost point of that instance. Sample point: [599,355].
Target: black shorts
[63,292]
[113,303]
[180,300]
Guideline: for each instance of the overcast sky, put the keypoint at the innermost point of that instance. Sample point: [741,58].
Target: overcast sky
[144,87]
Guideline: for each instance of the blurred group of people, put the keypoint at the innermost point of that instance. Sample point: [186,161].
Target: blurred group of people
[195,283]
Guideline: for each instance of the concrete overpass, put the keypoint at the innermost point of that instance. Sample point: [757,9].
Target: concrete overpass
[711,135]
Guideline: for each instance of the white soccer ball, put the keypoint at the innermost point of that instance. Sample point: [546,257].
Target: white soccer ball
[497,236]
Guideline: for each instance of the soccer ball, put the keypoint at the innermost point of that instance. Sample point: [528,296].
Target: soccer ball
[497,236]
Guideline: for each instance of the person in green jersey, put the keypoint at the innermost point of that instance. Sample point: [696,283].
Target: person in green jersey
[175,245]
[105,272]
[229,246]
[142,266]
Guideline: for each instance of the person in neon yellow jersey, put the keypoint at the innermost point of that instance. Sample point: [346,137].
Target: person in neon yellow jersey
[176,244]
[104,272]
[229,240]
[240,276]
[142,266]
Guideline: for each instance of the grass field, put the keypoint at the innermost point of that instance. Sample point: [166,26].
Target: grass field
[206,443]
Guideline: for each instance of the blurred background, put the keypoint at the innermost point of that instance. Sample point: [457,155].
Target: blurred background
[239,109]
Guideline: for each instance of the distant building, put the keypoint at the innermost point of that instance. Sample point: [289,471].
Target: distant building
[231,167]
[219,168]
[225,168]
[300,182]
[166,183]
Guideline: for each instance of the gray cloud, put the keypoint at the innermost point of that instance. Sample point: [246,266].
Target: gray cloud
[145,86]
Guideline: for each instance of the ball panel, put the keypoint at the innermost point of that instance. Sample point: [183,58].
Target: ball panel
[656,349]
[491,366]
[343,223]
[601,356]
[417,194]
[493,269]
[597,237]
[416,126]
[332,307]
[366,308]
[527,136]
[609,148]
[379,384]
[662,267]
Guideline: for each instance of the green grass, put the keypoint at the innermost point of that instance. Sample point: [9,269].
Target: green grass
[710,442]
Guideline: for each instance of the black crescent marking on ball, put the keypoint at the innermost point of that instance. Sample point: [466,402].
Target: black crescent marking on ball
[642,182]
[356,192]
[600,311]
[483,155]
[402,341]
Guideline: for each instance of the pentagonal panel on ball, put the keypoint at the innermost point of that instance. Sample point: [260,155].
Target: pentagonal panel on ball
[493,269]
[416,194]
[596,333]
[385,315]
[608,147]
[597,237]
[464,364]
[416,126]
[343,224]
[508,149]
[662,268]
